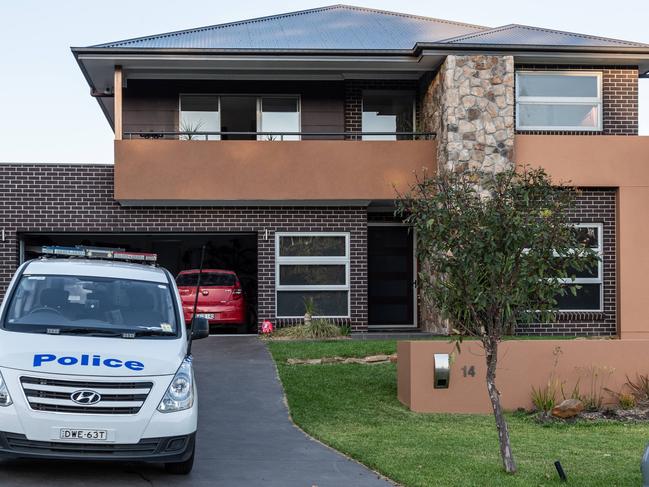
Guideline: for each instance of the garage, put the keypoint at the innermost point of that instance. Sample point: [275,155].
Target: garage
[177,252]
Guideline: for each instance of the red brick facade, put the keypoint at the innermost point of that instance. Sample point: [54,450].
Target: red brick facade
[79,198]
[620,98]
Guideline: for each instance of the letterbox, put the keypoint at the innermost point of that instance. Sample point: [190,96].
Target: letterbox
[442,371]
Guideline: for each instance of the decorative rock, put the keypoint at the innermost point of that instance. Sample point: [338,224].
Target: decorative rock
[313,361]
[294,361]
[331,360]
[353,360]
[568,408]
[376,358]
[393,358]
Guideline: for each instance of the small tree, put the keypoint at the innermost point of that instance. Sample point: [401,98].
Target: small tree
[498,249]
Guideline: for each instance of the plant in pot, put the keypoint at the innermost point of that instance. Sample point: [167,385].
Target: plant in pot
[189,130]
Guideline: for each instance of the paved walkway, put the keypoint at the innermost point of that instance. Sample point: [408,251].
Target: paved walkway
[245,437]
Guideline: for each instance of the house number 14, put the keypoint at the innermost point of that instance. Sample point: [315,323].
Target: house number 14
[468,371]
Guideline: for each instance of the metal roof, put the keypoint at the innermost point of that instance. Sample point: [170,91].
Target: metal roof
[350,28]
[524,35]
[336,27]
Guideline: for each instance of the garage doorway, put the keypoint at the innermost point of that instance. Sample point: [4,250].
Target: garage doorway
[176,252]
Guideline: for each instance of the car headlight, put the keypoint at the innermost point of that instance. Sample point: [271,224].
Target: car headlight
[180,393]
[5,397]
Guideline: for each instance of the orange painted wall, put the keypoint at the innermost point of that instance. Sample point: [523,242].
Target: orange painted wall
[522,364]
[620,162]
[171,171]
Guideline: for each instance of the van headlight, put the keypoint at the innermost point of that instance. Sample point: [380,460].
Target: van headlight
[5,397]
[180,393]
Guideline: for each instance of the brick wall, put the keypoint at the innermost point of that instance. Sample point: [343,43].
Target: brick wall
[620,98]
[79,198]
[354,98]
[592,206]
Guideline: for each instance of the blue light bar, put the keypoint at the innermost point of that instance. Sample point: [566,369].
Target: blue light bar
[93,253]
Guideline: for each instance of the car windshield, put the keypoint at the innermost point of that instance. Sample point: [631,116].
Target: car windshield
[207,279]
[79,304]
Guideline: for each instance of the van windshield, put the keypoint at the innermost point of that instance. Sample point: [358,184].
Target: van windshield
[91,305]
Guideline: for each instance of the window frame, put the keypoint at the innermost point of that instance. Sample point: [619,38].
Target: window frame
[258,103]
[560,100]
[313,260]
[590,280]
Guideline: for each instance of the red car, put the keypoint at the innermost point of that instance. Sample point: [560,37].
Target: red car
[220,298]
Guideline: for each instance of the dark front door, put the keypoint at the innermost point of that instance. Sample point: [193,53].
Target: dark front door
[390,276]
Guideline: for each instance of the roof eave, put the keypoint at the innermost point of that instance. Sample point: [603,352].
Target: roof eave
[427,46]
[238,51]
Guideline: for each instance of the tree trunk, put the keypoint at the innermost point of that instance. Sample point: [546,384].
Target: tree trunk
[491,349]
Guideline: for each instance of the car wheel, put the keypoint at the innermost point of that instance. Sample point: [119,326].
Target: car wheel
[181,468]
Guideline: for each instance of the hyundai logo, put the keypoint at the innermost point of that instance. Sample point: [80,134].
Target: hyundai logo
[85,397]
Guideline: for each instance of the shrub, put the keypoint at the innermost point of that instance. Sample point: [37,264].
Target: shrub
[639,389]
[316,329]
[544,398]
[626,400]
[574,394]
[596,379]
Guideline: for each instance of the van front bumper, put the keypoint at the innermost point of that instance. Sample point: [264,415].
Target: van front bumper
[165,449]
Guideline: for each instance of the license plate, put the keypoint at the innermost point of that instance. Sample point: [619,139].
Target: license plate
[83,434]
[209,316]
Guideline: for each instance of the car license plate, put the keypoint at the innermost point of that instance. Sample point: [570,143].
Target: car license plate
[83,434]
[209,316]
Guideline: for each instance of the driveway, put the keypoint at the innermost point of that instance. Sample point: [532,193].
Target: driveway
[245,437]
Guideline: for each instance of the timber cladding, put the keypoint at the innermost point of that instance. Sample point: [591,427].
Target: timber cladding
[79,198]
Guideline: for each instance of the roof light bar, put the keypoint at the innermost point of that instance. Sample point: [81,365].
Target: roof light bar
[93,253]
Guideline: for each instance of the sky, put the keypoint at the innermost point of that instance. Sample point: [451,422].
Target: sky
[49,116]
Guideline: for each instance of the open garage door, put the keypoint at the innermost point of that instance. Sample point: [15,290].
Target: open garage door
[235,252]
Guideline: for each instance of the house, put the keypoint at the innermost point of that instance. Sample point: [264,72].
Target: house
[281,144]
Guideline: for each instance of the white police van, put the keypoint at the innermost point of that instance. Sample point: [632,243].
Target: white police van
[95,361]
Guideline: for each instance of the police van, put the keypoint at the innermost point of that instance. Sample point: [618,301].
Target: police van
[95,360]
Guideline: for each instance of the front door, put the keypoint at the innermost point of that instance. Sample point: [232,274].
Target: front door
[391,276]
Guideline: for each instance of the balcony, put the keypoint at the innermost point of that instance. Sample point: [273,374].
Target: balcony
[588,161]
[162,169]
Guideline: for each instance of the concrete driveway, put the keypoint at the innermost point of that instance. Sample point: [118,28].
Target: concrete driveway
[245,437]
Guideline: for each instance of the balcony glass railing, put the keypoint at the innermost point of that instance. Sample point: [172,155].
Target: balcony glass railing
[280,136]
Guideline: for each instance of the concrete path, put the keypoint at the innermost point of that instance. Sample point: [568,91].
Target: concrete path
[245,437]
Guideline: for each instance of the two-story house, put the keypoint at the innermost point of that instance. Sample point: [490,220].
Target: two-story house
[281,143]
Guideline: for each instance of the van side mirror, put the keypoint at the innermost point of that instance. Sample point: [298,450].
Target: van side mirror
[200,328]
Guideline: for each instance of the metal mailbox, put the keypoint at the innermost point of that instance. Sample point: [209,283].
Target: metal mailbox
[442,366]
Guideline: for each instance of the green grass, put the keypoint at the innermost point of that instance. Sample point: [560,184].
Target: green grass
[283,350]
[354,409]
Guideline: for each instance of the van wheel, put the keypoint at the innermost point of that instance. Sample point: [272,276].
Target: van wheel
[181,468]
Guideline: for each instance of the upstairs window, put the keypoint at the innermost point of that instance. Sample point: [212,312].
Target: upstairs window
[199,113]
[559,100]
[279,114]
[239,117]
[388,111]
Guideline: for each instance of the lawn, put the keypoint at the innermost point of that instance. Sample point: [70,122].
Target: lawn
[354,409]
